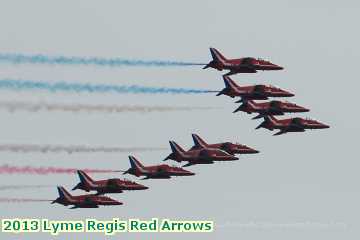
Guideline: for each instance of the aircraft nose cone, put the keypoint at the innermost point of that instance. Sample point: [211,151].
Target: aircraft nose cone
[325,126]
[253,151]
[141,187]
[297,108]
[189,173]
[289,94]
[276,67]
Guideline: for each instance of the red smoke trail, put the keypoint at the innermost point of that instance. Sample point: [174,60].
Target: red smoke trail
[21,200]
[6,169]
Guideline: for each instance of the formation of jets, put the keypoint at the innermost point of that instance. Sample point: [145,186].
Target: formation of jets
[248,94]
[202,152]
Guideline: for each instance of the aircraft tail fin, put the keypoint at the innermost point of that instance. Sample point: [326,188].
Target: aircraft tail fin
[176,148]
[85,179]
[229,83]
[63,194]
[269,122]
[246,104]
[177,152]
[136,165]
[218,62]
[271,119]
[217,56]
[198,141]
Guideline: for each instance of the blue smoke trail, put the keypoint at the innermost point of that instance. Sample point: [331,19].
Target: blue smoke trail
[14,84]
[62,60]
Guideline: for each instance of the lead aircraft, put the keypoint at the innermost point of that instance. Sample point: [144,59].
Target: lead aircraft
[240,65]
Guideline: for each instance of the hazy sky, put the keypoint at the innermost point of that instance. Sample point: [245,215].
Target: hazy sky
[301,186]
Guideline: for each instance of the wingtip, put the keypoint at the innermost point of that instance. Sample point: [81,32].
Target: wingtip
[236,110]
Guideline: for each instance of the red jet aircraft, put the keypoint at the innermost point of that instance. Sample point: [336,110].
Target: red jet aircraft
[83,201]
[269,108]
[290,124]
[113,185]
[161,171]
[253,92]
[241,65]
[228,147]
[198,156]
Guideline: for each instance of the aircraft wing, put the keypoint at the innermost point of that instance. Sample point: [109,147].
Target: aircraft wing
[193,163]
[87,203]
[294,128]
[232,72]
[188,164]
[297,127]
[82,206]
[162,173]
[112,184]
[280,132]
[243,68]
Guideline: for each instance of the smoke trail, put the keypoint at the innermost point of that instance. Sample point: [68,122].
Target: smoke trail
[111,62]
[41,106]
[14,84]
[7,169]
[20,187]
[24,148]
[22,200]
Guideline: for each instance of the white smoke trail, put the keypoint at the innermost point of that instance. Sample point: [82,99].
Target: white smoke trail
[25,148]
[42,106]
[22,200]
[8,169]
[20,187]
